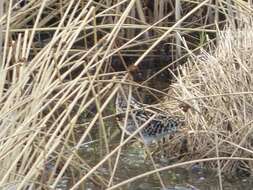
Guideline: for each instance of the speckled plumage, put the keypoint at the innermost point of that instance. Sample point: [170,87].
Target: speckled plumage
[159,127]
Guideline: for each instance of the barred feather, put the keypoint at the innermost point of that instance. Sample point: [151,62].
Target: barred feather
[159,127]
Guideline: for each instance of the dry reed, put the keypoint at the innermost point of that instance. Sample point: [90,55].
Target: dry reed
[58,85]
[216,86]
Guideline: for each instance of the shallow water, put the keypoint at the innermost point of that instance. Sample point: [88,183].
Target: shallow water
[132,163]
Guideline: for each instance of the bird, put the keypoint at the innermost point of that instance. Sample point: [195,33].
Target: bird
[160,126]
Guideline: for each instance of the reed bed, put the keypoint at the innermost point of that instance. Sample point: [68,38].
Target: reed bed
[58,82]
[216,90]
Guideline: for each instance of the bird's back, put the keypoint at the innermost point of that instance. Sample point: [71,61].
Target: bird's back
[159,127]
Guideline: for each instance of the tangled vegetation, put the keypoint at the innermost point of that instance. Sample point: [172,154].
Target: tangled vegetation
[59,76]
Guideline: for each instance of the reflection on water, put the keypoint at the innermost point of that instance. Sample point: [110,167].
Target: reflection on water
[186,180]
[132,163]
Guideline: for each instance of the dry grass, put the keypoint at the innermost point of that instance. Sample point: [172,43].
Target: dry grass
[58,84]
[217,86]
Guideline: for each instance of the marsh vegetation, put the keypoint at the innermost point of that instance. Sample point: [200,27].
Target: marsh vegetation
[63,63]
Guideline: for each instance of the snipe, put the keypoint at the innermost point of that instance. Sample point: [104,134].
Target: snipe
[161,126]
